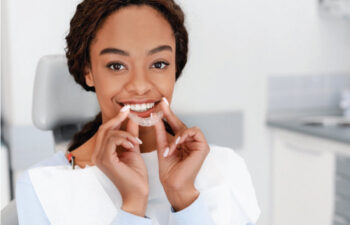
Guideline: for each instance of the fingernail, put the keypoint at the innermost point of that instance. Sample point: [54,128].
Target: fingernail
[132,146]
[125,108]
[151,115]
[177,140]
[166,152]
[165,100]
[138,140]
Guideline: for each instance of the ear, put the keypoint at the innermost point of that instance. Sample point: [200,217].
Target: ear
[89,80]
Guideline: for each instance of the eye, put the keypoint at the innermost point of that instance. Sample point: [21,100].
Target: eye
[160,65]
[115,66]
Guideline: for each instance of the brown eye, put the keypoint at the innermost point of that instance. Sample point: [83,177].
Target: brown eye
[160,65]
[115,66]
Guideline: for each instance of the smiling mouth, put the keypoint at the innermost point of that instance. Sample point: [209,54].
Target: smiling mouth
[140,107]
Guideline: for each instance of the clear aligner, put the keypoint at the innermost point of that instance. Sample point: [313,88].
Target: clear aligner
[149,121]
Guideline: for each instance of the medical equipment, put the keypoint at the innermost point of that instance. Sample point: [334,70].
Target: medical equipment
[149,121]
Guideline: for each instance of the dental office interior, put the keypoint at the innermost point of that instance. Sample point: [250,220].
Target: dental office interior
[269,79]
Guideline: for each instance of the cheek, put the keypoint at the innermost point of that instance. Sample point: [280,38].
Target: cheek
[107,82]
[109,86]
[166,86]
[107,89]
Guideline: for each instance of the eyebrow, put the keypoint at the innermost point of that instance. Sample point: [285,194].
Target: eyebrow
[125,53]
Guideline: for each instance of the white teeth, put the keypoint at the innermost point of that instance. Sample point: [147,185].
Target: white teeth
[141,107]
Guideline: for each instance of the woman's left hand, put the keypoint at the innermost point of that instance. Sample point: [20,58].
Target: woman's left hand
[187,152]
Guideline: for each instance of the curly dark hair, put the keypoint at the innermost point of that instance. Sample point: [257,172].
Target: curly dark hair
[88,18]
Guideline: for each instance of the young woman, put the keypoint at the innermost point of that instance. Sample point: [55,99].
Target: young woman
[130,53]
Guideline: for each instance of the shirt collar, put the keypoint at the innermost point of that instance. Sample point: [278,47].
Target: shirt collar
[151,162]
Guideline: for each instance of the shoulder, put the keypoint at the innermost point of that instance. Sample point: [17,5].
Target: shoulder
[57,158]
[225,154]
[222,166]
[227,160]
[235,174]
[227,164]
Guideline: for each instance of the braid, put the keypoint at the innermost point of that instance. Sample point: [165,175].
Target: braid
[88,130]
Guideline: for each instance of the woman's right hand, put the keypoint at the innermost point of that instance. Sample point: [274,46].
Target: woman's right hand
[117,154]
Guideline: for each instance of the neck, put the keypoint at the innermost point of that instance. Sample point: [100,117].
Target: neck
[148,137]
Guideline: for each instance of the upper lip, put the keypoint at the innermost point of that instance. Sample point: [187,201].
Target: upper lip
[138,101]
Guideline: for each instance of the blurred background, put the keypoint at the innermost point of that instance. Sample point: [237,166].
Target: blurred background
[280,68]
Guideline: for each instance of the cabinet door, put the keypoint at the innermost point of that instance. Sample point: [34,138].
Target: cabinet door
[303,183]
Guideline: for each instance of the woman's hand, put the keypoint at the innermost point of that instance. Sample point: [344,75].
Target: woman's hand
[187,152]
[117,154]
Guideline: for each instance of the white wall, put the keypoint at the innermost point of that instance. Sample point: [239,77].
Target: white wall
[234,47]
[33,29]
[237,44]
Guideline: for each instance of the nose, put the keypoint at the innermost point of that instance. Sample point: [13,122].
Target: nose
[139,83]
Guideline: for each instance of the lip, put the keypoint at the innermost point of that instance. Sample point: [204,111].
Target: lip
[144,114]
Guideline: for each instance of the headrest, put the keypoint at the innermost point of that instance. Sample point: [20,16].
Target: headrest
[57,99]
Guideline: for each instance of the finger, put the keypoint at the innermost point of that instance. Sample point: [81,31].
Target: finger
[190,134]
[125,134]
[126,138]
[133,128]
[110,149]
[162,142]
[116,122]
[175,123]
[175,143]
[113,123]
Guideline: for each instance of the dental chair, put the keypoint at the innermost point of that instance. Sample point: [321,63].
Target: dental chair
[62,106]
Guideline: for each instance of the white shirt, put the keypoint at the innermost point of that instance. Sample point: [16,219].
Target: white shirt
[227,195]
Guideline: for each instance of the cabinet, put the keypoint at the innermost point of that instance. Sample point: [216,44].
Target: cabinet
[303,177]
[342,193]
[340,8]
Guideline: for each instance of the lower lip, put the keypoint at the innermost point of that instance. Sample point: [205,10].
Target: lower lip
[145,114]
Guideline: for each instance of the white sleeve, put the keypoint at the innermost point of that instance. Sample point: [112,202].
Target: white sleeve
[241,185]
[126,218]
[195,214]
[226,188]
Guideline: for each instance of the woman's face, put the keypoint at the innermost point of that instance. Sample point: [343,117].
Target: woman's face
[132,59]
